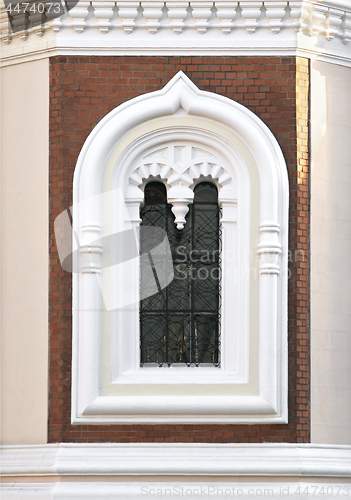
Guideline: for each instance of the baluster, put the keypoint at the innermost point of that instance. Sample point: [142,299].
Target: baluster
[103,11]
[318,18]
[226,12]
[201,12]
[177,12]
[250,12]
[275,13]
[346,28]
[128,12]
[152,12]
[333,23]
[78,14]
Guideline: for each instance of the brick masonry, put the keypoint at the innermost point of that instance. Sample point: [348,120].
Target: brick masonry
[82,91]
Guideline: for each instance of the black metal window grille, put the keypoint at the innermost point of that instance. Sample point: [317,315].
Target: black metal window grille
[181,323]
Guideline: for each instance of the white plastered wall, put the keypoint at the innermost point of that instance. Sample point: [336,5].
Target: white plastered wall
[24,251]
[331,254]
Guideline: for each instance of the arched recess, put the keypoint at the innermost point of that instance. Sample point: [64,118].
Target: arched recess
[181,135]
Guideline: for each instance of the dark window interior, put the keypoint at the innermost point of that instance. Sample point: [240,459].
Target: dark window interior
[180,324]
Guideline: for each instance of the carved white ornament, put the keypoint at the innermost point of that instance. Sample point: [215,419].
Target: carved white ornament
[180,165]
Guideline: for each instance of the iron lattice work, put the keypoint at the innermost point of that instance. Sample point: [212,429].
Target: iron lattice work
[181,323]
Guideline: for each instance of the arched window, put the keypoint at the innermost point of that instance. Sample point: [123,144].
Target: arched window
[222,196]
[180,324]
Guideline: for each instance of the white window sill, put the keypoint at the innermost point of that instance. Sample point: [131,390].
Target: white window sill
[179,375]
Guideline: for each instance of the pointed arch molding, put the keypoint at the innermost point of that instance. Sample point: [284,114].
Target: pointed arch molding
[181,135]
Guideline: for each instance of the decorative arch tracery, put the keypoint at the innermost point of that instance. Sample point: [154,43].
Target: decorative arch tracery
[180,165]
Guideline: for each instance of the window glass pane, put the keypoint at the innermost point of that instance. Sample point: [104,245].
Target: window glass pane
[180,324]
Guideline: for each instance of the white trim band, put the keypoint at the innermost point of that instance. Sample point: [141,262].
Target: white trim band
[164,459]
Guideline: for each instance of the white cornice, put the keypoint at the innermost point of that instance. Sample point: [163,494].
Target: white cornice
[317,29]
[166,459]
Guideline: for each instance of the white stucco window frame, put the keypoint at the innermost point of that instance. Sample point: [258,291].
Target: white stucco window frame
[121,153]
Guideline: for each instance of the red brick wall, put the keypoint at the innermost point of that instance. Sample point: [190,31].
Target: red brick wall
[82,91]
